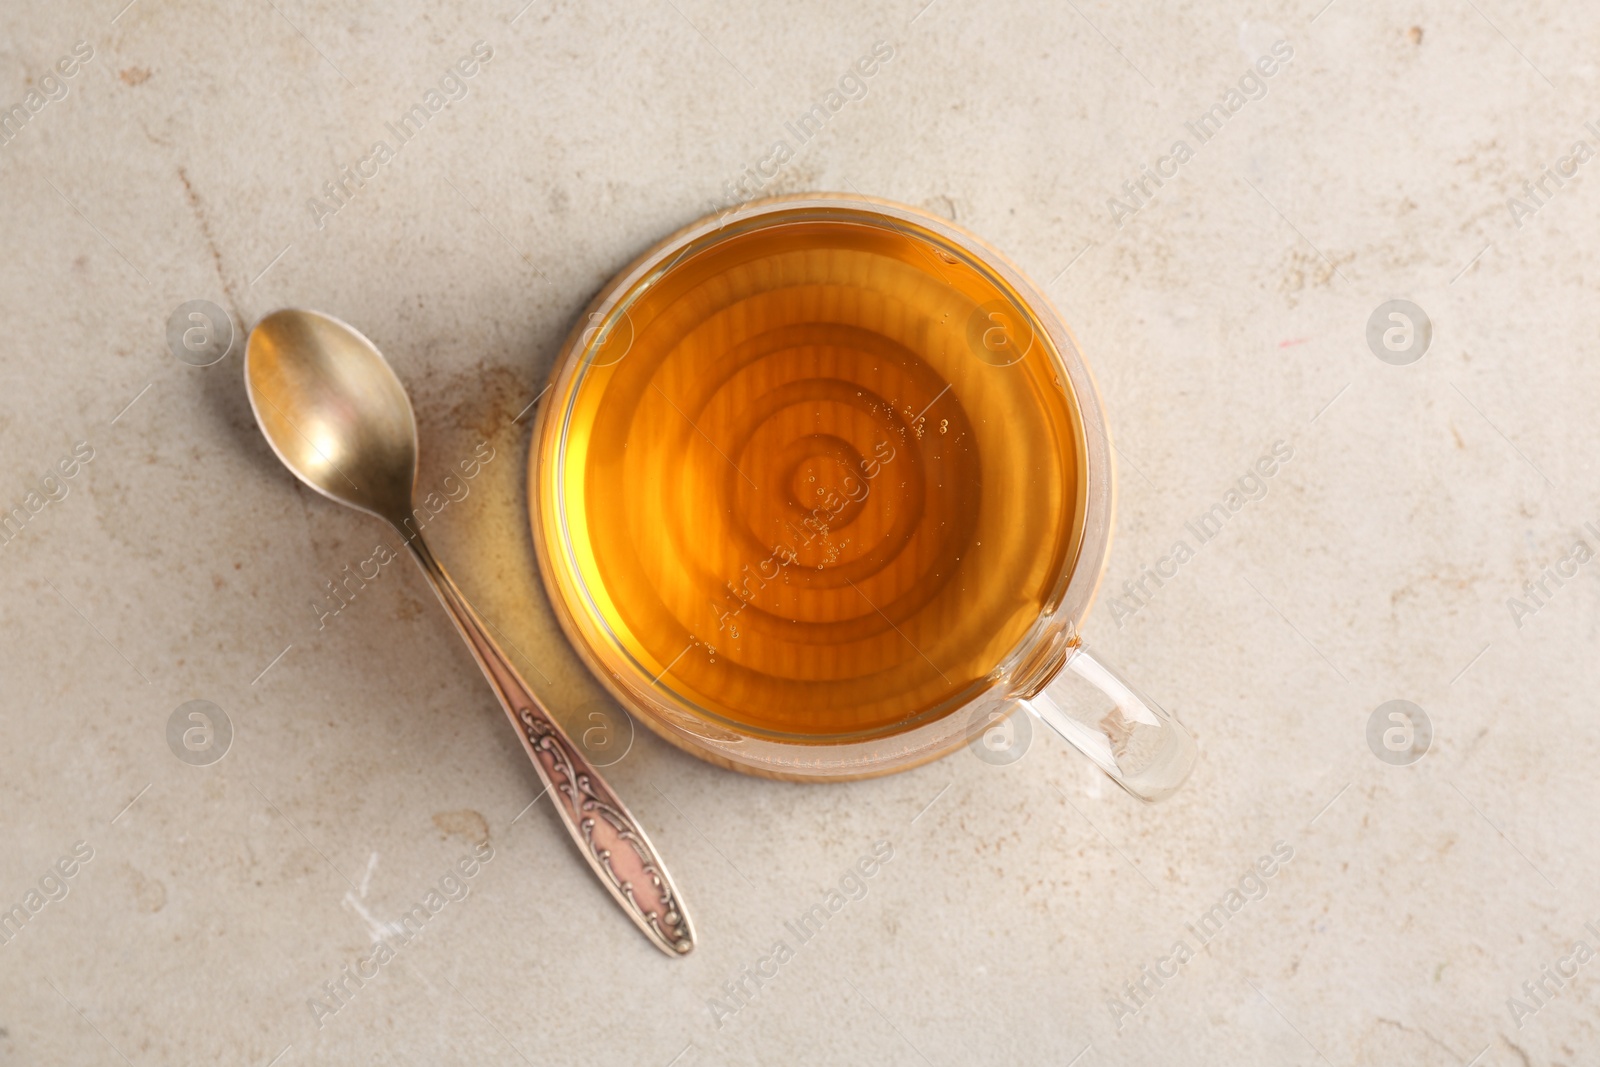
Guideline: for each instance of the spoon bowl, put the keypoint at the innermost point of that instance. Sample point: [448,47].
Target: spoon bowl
[333,410]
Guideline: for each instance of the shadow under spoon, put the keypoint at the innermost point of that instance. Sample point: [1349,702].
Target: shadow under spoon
[338,417]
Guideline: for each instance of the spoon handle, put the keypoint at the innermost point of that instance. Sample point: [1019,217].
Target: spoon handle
[607,834]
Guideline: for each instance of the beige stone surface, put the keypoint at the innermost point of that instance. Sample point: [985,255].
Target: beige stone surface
[1225,314]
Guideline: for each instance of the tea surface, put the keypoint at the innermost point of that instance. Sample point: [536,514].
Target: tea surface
[820,480]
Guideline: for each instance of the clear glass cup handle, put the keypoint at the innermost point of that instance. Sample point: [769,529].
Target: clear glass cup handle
[1137,742]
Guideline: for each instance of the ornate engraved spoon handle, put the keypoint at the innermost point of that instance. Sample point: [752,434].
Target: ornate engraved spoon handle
[614,844]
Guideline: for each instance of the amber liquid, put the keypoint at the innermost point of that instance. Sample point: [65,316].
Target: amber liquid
[815,485]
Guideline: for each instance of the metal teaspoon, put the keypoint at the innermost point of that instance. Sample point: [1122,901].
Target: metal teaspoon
[336,414]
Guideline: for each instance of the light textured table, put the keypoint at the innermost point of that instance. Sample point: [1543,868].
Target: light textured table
[1029,912]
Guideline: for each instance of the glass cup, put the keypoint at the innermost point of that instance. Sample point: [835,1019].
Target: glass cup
[762,481]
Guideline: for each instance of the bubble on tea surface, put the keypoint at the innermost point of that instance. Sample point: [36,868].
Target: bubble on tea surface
[1399,732]
[199,733]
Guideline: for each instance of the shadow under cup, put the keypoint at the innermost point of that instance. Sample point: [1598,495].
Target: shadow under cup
[812,489]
